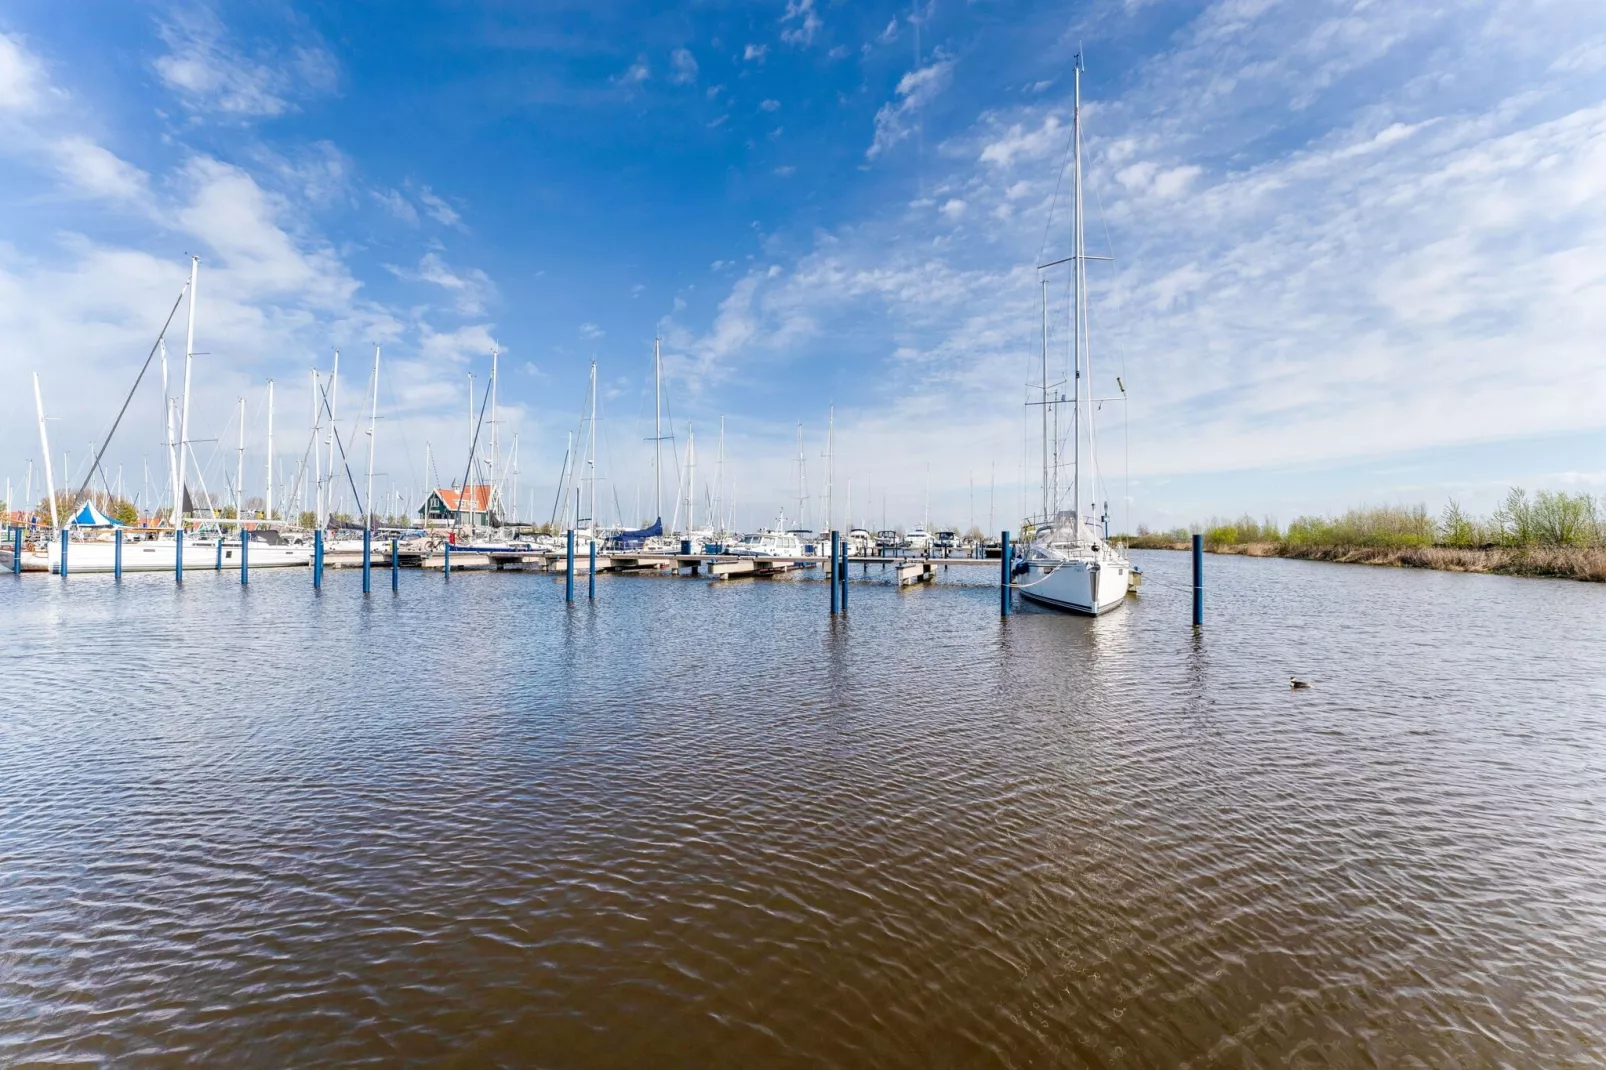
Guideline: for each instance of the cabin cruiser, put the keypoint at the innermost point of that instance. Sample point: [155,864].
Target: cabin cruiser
[918,540]
[769,544]
[861,543]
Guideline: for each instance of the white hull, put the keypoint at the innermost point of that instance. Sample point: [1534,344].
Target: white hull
[1077,586]
[158,556]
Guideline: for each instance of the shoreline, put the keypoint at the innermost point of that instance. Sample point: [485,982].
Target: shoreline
[1585,564]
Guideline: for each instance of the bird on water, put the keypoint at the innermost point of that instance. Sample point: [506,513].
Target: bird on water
[1297,684]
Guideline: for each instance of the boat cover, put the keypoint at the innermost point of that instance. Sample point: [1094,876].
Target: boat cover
[632,540]
[88,516]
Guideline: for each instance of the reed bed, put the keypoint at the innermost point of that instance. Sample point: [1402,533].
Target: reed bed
[1552,534]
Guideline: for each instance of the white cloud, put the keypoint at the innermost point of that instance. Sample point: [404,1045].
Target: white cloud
[637,73]
[1030,146]
[954,208]
[438,209]
[591,330]
[210,75]
[684,67]
[890,34]
[801,22]
[915,90]
[755,52]
[470,289]
[96,172]
[21,76]
[770,105]
[396,204]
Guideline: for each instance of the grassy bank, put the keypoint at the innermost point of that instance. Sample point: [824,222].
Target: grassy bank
[1553,534]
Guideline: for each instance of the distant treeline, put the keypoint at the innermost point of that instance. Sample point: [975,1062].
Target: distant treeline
[1548,519]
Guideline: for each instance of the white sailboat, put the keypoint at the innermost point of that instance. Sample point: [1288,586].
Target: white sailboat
[1069,564]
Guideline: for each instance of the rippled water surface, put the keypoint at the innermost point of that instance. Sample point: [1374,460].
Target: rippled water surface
[700,823]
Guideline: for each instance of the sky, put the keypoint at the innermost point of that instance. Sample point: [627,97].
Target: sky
[1358,248]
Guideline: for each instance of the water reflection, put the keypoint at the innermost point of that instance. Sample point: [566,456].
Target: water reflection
[703,822]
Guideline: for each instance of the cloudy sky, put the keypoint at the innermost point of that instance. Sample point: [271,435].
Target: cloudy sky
[1359,248]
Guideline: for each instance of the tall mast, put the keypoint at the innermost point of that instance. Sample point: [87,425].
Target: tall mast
[184,417]
[1080,312]
[267,501]
[719,482]
[167,419]
[334,413]
[1047,505]
[802,487]
[317,461]
[592,464]
[495,472]
[239,475]
[830,468]
[658,430]
[373,418]
[44,444]
[691,479]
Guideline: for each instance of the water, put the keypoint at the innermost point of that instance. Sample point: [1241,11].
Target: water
[702,824]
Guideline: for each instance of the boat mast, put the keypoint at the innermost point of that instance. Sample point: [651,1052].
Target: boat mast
[167,419]
[1047,504]
[830,467]
[658,430]
[184,417]
[267,501]
[239,475]
[317,462]
[691,479]
[719,483]
[592,463]
[44,444]
[334,415]
[496,457]
[1079,268]
[373,417]
[802,491]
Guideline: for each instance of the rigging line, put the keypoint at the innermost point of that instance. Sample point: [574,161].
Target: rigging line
[1054,202]
[345,462]
[137,379]
[472,446]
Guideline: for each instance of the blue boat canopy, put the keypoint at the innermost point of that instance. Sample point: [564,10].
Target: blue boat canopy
[88,516]
[632,540]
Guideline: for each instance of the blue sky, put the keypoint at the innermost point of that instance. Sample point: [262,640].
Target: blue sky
[1360,248]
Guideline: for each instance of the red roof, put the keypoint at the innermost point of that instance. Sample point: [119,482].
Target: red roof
[478,497]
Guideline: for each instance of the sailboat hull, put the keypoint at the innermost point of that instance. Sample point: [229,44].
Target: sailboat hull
[1083,587]
[158,556]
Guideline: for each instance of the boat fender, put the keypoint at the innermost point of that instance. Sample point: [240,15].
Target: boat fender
[1020,569]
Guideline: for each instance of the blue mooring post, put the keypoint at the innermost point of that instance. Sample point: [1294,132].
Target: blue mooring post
[568,571]
[16,551]
[245,564]
[317,560]
[835,572]
[1198,581]
[367,560]
[178,556]
[65,542]
[117,555]
[591,576]
[446,573]
[219,566]
[1006,566]
[395,565]
[842,576]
